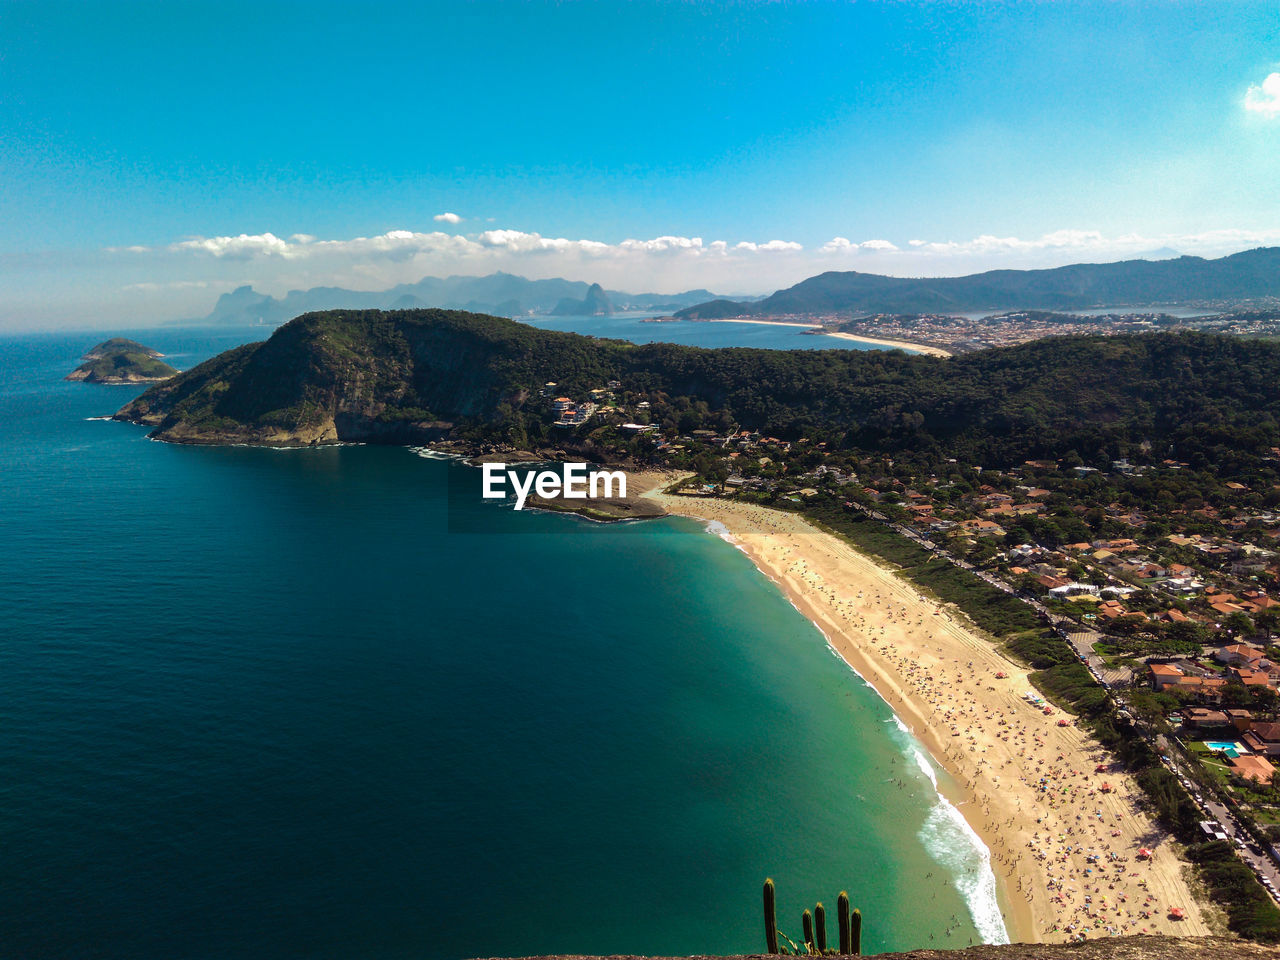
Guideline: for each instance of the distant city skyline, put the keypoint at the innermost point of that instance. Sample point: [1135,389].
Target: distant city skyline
[155,156]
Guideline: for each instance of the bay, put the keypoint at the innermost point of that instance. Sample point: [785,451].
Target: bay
[262,703]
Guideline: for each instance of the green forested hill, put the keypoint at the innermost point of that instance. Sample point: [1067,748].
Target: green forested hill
[121,361]
[120,345]
[1250,274]
[408,375]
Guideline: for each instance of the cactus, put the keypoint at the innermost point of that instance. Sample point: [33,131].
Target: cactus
[842,918]
[770,919]
[815,928]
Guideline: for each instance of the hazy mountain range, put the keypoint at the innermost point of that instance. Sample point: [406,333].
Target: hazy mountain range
[501,294]
[1241,276]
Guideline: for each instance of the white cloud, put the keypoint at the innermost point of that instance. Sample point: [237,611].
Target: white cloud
[782,245]
[845,245]
[669,245]
[180,279]
[505,248]
[659,264]
[517,241]
[242,247]
[773,246]
[1264,98]
[401,244]
[447,218]
[1080,243]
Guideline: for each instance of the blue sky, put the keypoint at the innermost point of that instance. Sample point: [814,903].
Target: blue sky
[137,140]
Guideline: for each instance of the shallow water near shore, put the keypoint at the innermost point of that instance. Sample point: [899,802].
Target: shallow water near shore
[262,703]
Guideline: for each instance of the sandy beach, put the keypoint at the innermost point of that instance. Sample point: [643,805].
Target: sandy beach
[763,323]
[904,344]
[1064,851]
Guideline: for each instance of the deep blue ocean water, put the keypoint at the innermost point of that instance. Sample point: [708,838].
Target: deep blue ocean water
[260,703]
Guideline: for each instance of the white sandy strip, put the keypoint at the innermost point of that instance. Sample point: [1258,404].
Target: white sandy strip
[1063,850]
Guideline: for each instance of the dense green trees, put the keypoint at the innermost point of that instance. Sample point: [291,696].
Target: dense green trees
[1211,402]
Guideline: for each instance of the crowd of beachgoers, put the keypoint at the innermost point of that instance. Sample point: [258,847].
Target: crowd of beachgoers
[1075,851]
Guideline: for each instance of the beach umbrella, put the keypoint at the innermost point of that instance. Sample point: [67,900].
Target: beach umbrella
[1176,913]
[1144,853]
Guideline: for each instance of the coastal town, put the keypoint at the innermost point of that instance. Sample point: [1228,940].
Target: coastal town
[1164,579]
[955,333]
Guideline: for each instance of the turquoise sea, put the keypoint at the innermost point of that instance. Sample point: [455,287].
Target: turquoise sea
[260,703]
[634,327]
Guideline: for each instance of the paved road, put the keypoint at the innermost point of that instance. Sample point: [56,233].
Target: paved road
[1246,848]
[1082,640]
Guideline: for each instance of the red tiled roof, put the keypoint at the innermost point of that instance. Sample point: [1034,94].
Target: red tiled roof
[1254,768]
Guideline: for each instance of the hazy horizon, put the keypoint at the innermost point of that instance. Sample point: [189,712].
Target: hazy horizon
[212,297]
[178,152]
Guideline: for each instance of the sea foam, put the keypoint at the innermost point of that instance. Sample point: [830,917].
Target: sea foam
[946,835]
[721,531]
[426,453]
[949,838]
[951,841]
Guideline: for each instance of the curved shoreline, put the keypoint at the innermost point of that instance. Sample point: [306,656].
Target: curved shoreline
[922,348]
[918,656]
[1015,917]
[900,344]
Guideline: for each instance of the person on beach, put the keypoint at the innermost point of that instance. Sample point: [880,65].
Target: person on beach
[1066,849]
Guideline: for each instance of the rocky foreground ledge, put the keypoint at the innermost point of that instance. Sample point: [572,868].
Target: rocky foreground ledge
[1112,948]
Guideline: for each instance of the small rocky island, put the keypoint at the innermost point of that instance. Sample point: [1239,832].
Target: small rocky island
[119,360]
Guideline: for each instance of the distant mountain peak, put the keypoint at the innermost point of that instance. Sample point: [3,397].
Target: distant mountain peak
[594,304]
[1165,276]
[502,294]
[1161,253]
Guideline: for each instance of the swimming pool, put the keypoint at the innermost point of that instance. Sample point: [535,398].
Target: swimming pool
[1230,747]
